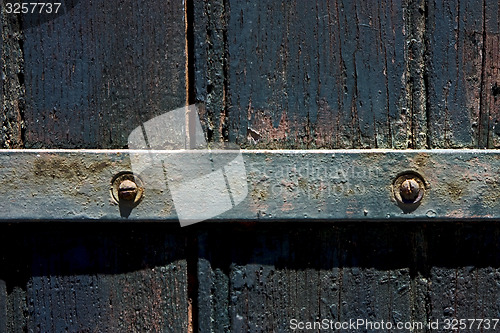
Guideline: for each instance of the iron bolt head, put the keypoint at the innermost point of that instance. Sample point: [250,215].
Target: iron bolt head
[409,189]
[127,190]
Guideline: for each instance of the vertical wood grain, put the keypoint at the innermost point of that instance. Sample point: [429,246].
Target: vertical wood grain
[126,278]
[323,74]
[95,73]
[463,73]
[85,79]
[257,279]
[464,272]
[210,66]
[462,67]
[490,91]
[340,75]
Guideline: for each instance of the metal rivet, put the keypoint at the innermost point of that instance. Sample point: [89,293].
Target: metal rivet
[409,188]
[126,188]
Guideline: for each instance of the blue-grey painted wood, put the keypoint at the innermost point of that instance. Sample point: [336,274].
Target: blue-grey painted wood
[445,59]
[324,63]
[100,70]
[295,74]
[86,78]
[463,62]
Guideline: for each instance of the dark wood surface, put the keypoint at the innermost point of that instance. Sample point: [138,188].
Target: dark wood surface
[324,74]
[341,75]
[463,271]
[257,279]
[86,79]
[109,278]
[97,72]
[297,74]
[11,82]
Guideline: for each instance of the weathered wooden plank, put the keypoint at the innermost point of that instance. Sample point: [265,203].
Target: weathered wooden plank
[285,90]
[464,273]
[463,59]
[95,73]
[415,274]
[3,307]
[11,80]
[87,279]
[275,75]
[210,66]
[463,73]
[490,90]
[259,279]
[91,75]
[328,74]
[419,273]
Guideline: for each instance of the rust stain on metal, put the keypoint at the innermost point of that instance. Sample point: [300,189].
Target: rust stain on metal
[54,166]
[492,195]
[286,207]
[422,159]
[455,190]
[459,213]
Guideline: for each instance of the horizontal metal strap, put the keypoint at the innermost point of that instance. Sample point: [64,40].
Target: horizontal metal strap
[256,185]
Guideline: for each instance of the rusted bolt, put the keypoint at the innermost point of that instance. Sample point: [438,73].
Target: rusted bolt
[127,190]
[409,188]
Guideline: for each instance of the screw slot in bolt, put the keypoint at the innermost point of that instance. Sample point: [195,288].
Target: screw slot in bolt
[409,188]
[126,188]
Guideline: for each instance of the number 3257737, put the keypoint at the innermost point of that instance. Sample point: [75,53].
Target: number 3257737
[32,7]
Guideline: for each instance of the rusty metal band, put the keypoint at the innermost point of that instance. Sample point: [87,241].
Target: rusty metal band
[281,185]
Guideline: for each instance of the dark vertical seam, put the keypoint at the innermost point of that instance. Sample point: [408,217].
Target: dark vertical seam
[190,86]
[191,236]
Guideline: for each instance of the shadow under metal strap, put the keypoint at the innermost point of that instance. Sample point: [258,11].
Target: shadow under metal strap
[256,185]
